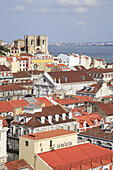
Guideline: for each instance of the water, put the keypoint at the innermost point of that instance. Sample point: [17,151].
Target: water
[99,52]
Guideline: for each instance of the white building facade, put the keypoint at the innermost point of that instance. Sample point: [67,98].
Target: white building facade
[3,140]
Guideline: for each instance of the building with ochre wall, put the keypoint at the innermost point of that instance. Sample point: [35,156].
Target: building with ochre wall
[32,144]
[36,44]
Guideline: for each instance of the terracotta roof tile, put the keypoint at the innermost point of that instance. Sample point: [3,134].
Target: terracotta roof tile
[17,165]
[98,132]
[51,110]
[96,70]
[11,87]
[107,108]
[4,68]
[25,54]
[5,124]
[90,118]
[72,156]
[95,88]
[6,106]
[19,103]
[70,76]
[48,134]
[68,101]
[43,100]
[83,98]
[21,74]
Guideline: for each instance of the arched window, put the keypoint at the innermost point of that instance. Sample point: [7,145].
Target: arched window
[38,41]
[26,41]
[31,42]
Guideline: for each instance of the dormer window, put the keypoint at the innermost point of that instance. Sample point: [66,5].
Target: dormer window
[84,124]
[95,122]
[17,118]
[42,119]
[50,119]
[57,117]
[25,119]
[63,116]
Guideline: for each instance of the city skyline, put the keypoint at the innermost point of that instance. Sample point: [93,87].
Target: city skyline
[63,21]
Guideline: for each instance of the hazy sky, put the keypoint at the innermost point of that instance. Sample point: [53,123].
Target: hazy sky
[61,20]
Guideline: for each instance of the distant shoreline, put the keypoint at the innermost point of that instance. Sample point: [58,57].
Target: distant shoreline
[107,44]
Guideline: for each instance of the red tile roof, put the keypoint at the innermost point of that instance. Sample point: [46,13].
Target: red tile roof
[100,59]
[4,68]
[35,72]
[95,88]
[11,87]
[70,76]
[81,110]
[80,68]
[25,54]
[51,110]
[21,74]
[83,98]
[89,118]
[2,56]
[34,122]
[74,156]
[68,101]
[22,59]
[44,100]
[96,70]
[107,108]
[5,124]
[9,59]
[18,164]
[6,106]
[98,132]
[50,65]
[19,103]
[48,134]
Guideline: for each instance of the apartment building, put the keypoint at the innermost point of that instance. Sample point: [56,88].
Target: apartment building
[32,144]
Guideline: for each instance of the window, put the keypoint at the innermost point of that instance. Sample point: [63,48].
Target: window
[38,41]
[50,143]
[44,80]
[26,143]
[31,42]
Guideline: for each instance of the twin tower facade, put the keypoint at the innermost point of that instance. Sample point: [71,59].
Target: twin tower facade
[36,44]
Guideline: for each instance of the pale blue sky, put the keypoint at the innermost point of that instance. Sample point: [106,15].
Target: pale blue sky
[61,20]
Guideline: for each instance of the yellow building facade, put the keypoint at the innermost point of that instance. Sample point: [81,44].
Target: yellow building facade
[32,144]
[42,60]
